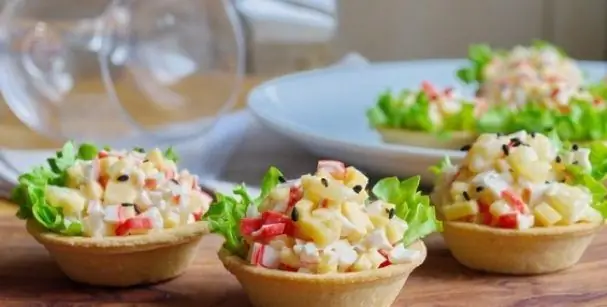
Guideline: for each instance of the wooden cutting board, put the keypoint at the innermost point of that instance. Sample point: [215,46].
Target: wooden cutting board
[28,277]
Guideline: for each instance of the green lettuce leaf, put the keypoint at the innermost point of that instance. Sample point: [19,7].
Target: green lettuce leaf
[87,152]
[533,118]
[224,217]
[270,180]
[410,205]
[171,154]
[226,212]
[29,193]
[444,163]
[479,55]
[392,111]
[598,160]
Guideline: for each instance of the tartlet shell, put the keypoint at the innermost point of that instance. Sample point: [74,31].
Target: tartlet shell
[456,140]
[123,261]
[274,288]
[518,252]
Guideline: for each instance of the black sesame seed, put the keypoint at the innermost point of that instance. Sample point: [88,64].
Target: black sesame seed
[146,160]
[547,182]
[466,147]
[479,189]
[391,213]
[563,180]
[123,178]
[505,149]
[575,147]
[466,195]
[510,170]
[532,134]
[127,205]
[575,162]
[357,188]
[515,140]
[387,211]
[295,215]
[139,149]
[549,129]
[137,210]
[324,182]
[281,179]
[174,181]
[558,159]
[499,134]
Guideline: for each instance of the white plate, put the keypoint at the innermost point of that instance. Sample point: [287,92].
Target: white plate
[324,110]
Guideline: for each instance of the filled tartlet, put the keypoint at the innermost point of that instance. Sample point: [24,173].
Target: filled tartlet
[429,117]
[535,88]
[114,217]
[521,203]
[540,74]
[320,240]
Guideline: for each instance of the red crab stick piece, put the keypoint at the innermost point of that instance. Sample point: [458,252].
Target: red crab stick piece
[514,200]
[133,224]
[430,90]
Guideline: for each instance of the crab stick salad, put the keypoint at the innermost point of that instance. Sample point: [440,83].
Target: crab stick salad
[324,222]
[522,180]
[540,73]
[428,110]
[89,192]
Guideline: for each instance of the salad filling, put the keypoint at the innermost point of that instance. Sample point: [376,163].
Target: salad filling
[540,74]
[96,193]
[324,222]
[429,109]
[522,180]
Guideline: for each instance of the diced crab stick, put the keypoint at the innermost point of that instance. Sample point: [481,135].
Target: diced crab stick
[448,91]
[134,224]
[295,195]
[257,251]
[337,169]
[269,231]
[284,267]
[509,221]
[103,181]
[197,215]
[386,255]
[150,183]
[273,217]
[249,225]
[169,174]
[430,90]
[265,256]
[514,200]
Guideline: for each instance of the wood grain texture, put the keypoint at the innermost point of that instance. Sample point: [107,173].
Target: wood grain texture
[29,277]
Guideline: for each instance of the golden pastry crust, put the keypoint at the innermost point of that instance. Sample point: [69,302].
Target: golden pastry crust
[456,139]
[123,261]
[531,251]
[274,288]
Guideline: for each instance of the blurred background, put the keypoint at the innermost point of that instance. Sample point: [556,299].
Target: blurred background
[286,35]
[275,37]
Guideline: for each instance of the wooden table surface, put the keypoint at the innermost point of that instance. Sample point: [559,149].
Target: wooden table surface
[28,276]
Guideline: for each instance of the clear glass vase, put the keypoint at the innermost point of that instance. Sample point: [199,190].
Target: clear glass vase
[122,72]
